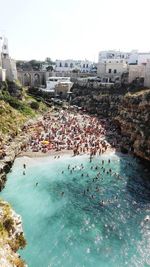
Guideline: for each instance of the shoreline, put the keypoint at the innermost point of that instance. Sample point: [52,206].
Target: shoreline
[61,153]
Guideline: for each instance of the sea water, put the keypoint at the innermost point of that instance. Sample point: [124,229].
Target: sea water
[73,220]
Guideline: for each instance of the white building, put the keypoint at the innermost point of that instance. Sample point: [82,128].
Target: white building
[70,65]
[133,57]
[104,56]
[7,65]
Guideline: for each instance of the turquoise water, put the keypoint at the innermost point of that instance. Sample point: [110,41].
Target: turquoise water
[76,229]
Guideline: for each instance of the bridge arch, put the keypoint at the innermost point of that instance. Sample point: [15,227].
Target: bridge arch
[36,79]
[27,79]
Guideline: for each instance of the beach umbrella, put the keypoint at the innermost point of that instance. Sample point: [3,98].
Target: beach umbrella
[45,142]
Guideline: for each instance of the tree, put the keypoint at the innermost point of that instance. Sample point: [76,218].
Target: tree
[49,68]
[49,61]
[34,105]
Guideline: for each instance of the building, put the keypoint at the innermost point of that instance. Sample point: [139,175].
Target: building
[133,57]
[105,56]
[147,75]
[111,70]
[136,71]
[112,65]
[83,66]
[7,65]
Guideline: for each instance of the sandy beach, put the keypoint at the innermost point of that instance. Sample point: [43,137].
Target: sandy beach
[68,133]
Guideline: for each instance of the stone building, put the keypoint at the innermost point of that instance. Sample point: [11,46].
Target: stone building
[111,70]
[7,65]
[113,65]
[147,75]
[136,71]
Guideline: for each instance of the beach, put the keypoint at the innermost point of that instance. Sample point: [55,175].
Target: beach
[69,133]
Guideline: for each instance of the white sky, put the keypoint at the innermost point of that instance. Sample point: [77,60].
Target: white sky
[76,29]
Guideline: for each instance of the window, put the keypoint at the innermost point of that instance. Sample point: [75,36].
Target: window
[71,65]
[115,71]
[60,65]
[109,71]
[5,46]
[66,65]
[83,65]
[87,65]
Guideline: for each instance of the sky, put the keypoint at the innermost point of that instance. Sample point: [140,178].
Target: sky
[74,29]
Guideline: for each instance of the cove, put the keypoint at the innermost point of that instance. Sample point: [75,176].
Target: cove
[95,222]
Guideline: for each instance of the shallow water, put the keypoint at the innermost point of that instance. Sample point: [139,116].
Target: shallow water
[76,230]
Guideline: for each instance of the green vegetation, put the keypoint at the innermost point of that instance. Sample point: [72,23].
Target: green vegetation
[35,65]
[34,105]
[8,224]
[16,107]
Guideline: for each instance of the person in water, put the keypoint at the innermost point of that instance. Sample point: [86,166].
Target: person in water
[24,166]
[36,184]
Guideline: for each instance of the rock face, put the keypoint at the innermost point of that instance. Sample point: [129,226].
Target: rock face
[129,111]
[11,149]
[11,237]
[134,120]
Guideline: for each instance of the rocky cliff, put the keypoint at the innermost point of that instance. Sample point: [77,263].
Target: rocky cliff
[130,111]
[134,120]
[11,237]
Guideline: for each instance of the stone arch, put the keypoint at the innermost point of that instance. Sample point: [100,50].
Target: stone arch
[36,79]
[27,79]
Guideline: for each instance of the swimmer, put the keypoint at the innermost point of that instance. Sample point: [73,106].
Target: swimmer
[82,175]
[62,172]
[62,193]
[36,184]
[68,166]
[102,203]
[24,166]
[109,161]
[24,173]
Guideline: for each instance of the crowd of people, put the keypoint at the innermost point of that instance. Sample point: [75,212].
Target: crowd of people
[66,130]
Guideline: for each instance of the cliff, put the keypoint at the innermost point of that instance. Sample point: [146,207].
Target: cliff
[134,120]
[11,237]
[130,111]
